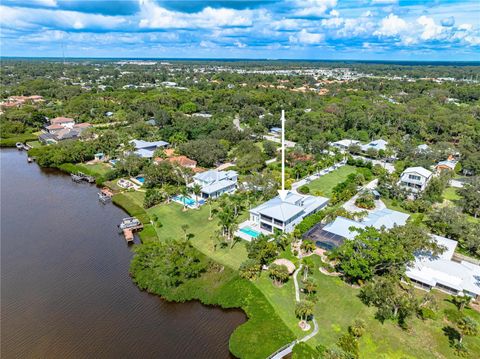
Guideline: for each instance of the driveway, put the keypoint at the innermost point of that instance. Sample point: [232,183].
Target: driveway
[350,204]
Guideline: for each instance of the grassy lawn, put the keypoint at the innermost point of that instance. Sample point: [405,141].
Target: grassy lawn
[34,143]
[98,168]
[338,306]
[325,184]
[451,194]
[283,300]
[11,140]
[172,218]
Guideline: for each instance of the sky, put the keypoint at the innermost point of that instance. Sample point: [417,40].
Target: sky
[440,30]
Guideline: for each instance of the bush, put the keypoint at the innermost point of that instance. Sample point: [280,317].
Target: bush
[304,190]
[427,313]
[365,200]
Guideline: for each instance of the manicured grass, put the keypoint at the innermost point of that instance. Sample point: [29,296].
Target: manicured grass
[124,200]
[324,185]
[172,217]
[338,306]
[10,141]
[34,144]
[283,300]
[98,168]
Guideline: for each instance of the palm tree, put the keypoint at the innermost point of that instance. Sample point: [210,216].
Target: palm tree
[213,211]
[308,266]
[185,230]
[197,190]
[309,286]
[467,326]
[184,193]
[461,301]
[304,309]
[279,274]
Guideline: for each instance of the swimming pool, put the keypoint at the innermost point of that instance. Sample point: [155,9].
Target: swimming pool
[251,232]
[140,179]
[185,200]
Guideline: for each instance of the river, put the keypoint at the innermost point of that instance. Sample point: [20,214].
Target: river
[65,287]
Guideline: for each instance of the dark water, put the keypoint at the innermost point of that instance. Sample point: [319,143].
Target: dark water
[65,288]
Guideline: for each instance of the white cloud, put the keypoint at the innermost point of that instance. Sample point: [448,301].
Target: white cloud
[431,31]
[29,18]
[392,25]
[305,37]
[314,7]
[239,44]
[155,17]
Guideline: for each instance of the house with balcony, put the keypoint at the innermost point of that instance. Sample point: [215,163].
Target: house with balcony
[214,183]
[415,179]
[278,214]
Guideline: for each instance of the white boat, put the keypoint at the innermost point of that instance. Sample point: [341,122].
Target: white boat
[19,145]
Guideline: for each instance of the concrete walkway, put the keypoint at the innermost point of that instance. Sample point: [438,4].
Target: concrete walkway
[352,208]
[287,349]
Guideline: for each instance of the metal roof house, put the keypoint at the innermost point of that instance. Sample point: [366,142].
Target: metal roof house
[376,145]
[276,214]
[146,149]
[334,233]
[215,183]
[415,179]
[444,273]
[345,144]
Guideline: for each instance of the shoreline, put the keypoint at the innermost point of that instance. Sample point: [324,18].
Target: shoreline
[230,293]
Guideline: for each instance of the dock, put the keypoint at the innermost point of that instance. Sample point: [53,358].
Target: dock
[129,226]
[80,177]
[105,195]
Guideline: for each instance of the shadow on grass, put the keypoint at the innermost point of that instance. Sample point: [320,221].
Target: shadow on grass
[452,334]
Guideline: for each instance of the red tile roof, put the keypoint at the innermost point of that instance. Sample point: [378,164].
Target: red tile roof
[61,120]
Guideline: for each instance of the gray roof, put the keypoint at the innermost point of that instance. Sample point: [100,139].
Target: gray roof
[293,205]
[384,218]
[139,144]
[217,186]
[214,175]
[420,170]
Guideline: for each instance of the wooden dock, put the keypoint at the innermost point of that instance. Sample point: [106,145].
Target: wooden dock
[129,226]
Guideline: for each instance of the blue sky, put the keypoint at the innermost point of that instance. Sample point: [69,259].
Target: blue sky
[281,29]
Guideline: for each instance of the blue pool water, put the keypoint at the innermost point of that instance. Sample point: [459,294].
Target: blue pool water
[140,179]
[186,200]
[250,232]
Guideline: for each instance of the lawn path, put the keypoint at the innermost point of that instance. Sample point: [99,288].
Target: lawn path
[282,352]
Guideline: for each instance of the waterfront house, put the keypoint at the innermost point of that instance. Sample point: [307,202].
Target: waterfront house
[214,183]
[415,179]
[65,122]
[445,272]
[146,149]
[278,214]
[182,161]
[62,128]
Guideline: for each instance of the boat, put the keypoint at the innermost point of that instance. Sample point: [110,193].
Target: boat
[29,159]
[103,198]
[19,146]
[130,222]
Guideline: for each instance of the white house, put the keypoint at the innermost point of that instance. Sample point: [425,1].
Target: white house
[146,149]
[444,273]
[276,214]
[334,233]
[415,179]
[376,145]
[345,144]
[215,183]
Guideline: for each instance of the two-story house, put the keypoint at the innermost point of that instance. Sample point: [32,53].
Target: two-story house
[415,179]
[214,183]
